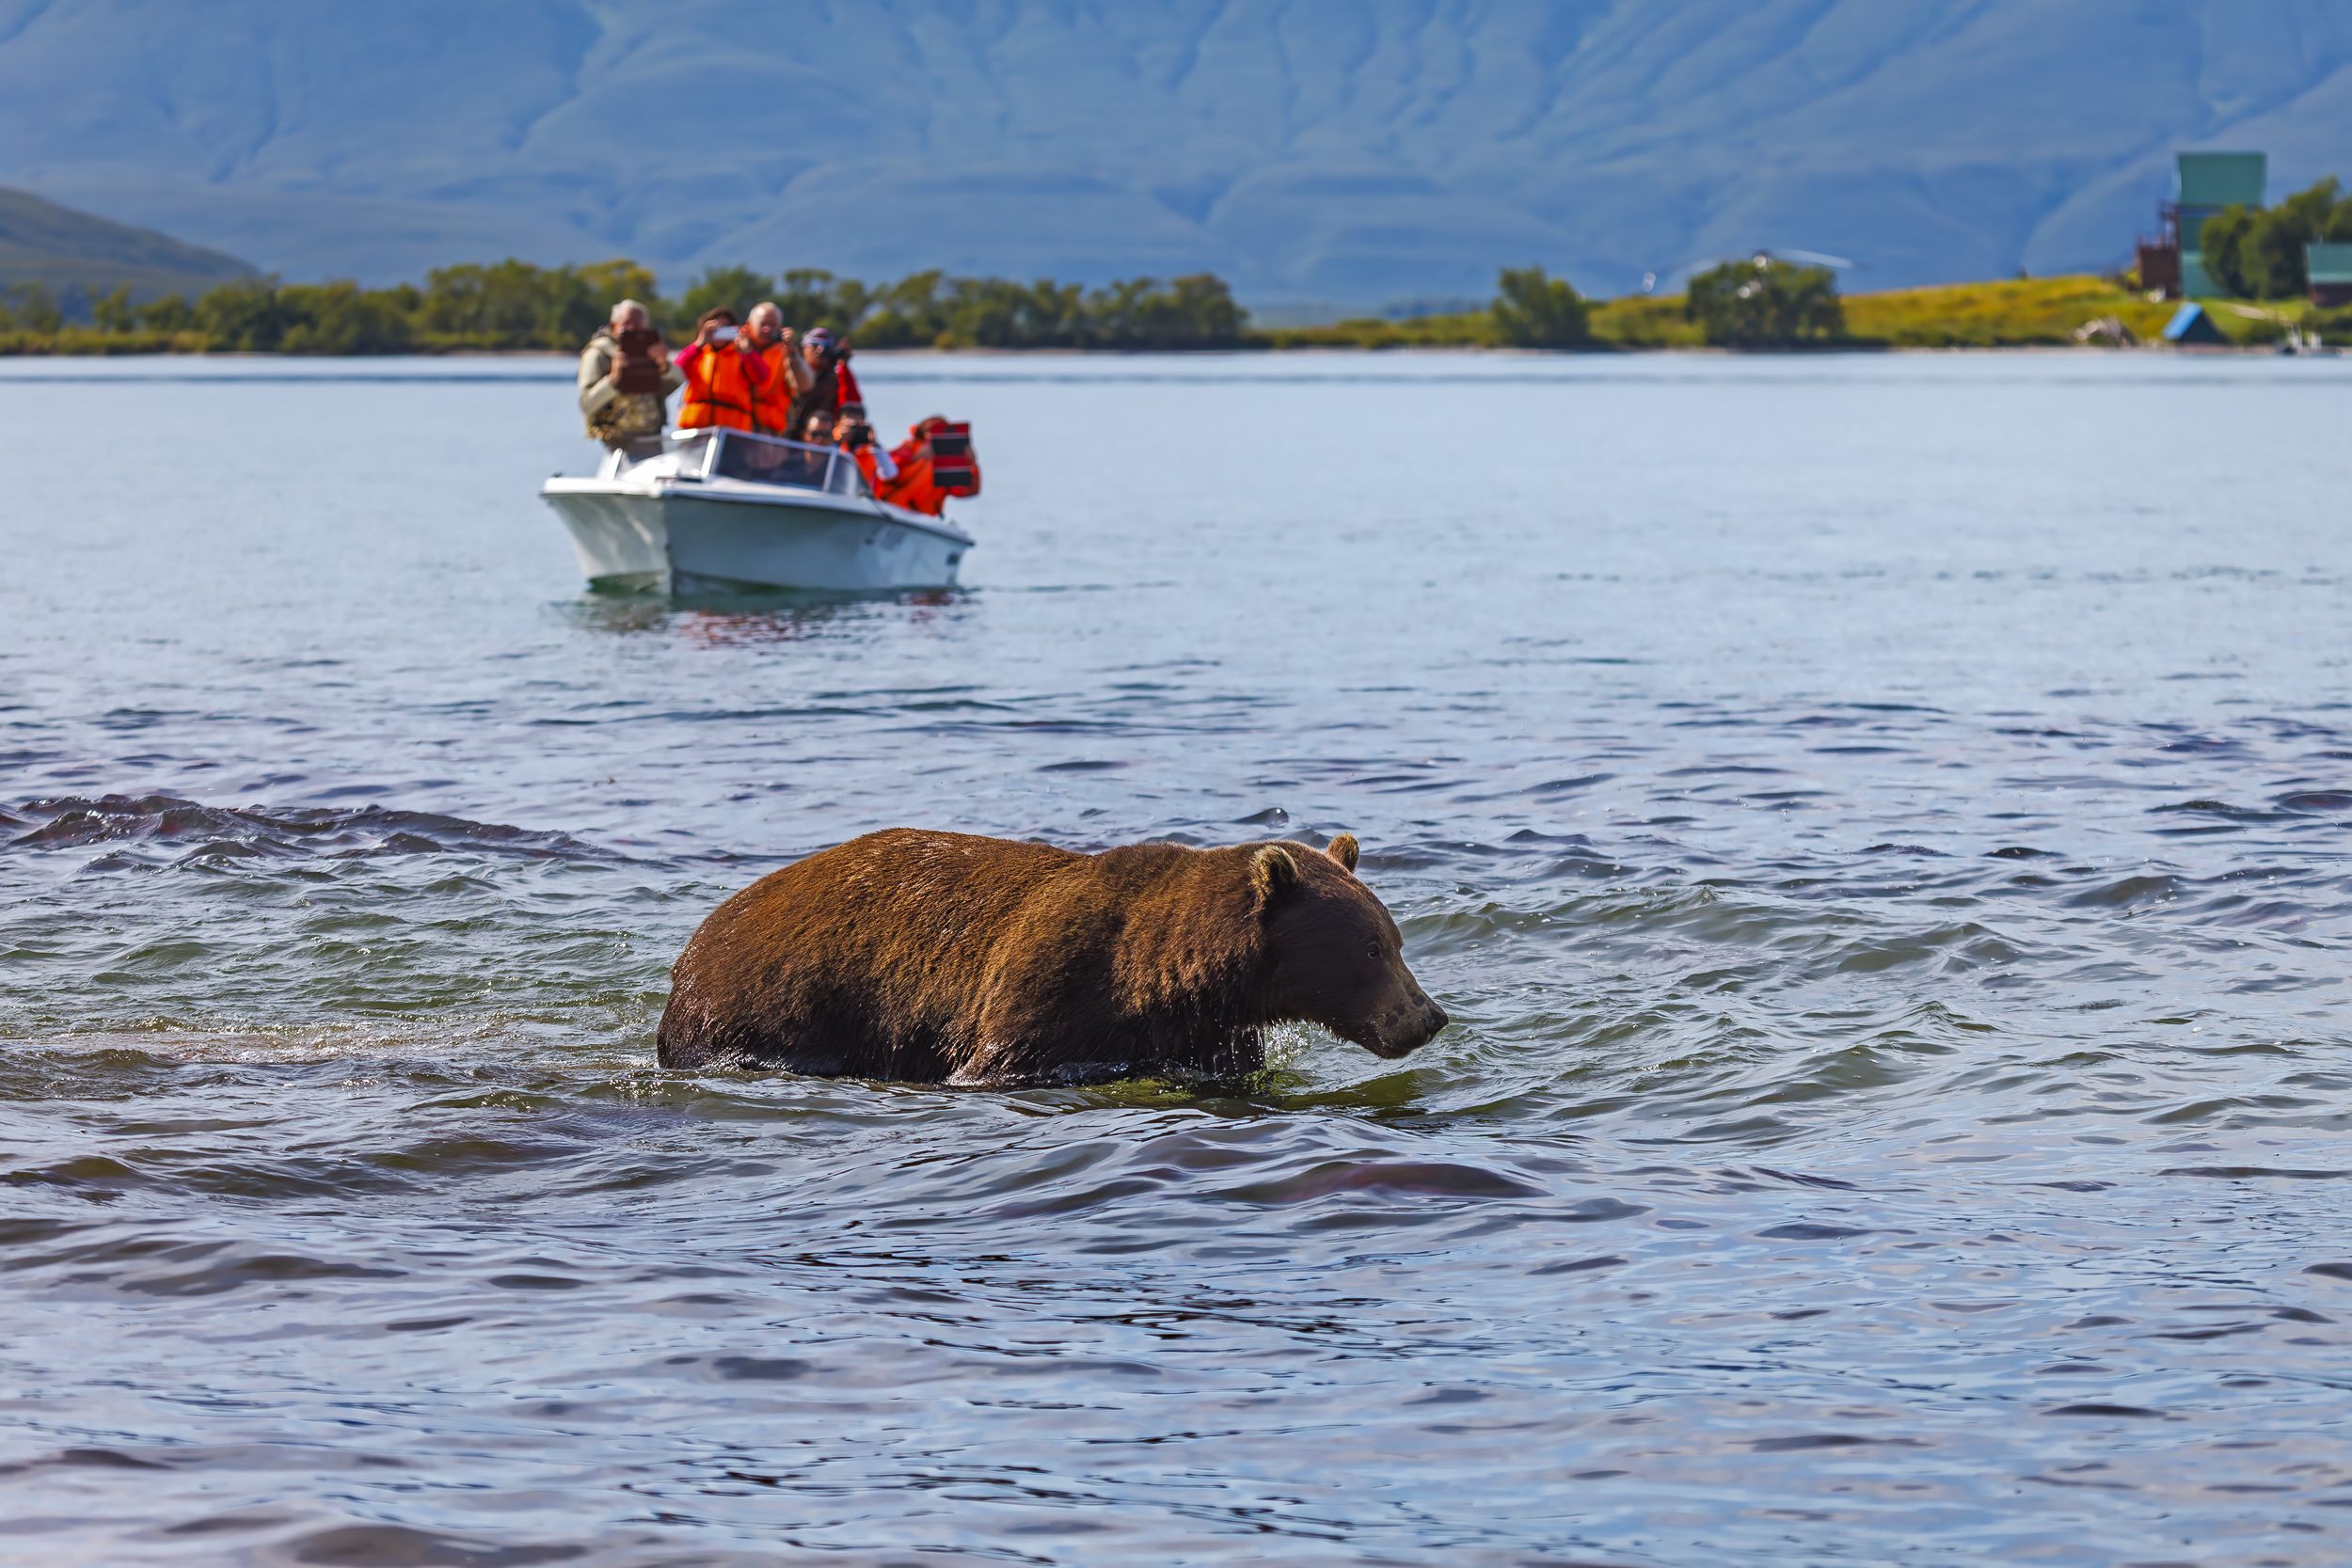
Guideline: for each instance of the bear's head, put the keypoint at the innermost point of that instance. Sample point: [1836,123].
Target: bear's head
[1334,956]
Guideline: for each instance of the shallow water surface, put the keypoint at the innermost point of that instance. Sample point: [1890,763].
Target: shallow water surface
[1877,825]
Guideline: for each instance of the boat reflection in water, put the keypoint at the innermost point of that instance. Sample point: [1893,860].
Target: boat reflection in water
[725,511]
[746,620]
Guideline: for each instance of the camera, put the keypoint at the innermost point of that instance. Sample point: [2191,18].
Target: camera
[640,371]
[952,467]
[723,334]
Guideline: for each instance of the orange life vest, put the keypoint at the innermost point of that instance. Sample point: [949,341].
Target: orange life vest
[771,405]
[718,393]
[913,488]
[864,458]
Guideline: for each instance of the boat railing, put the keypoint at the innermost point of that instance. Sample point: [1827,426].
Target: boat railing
[760,459]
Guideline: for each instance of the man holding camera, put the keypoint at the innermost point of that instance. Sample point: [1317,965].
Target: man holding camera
[852,435]
[830,386]
[933,463]
[724,375]
[789,375]
[624,377]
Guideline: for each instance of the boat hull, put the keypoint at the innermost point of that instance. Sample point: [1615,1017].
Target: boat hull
[666,542]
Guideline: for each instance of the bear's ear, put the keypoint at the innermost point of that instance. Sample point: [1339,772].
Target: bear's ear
[1343,849]
[1272,873]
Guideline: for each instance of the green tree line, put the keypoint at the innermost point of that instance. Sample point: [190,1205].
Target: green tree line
[1761,303]
[514,305]
[1757,303]
[2257,253]
[932,309]
[1766,303]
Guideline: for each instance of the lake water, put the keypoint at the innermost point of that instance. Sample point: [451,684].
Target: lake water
[1878,824]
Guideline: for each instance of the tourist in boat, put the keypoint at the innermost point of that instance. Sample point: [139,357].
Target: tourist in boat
[724,375]
[831,385]
[917,487]
[776,464]
[845,393]
[624,375]
[852,435]
[788,375]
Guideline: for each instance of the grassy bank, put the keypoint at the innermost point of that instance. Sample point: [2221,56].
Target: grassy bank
[2020,313]
[1475,329]
[2049,310]
[2010,314]
[74,339]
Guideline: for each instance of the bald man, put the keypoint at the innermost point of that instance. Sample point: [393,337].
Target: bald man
[621,393]
[788,375]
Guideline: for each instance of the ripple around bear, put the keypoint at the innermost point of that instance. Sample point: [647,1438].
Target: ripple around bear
[929,958]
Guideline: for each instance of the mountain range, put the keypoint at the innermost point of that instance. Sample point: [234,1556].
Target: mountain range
[62,249]
[1351,151]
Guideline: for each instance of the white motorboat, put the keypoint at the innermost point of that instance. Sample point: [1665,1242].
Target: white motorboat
[727,511]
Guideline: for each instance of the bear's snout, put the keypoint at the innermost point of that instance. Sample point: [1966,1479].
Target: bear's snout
[1408,1028]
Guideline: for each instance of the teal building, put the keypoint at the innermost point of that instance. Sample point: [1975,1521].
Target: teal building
[2329,269]
[2208,183]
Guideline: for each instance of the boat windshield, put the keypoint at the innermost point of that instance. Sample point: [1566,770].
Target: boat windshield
[772,460]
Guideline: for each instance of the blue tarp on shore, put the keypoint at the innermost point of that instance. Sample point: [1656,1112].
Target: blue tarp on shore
[2190,324]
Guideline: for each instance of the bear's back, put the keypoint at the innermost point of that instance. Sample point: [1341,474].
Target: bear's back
[860,961]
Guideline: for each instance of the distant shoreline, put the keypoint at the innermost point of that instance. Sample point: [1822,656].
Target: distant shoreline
[2067,313]
[517,310]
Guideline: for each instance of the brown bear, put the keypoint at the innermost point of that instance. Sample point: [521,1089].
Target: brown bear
[942,958]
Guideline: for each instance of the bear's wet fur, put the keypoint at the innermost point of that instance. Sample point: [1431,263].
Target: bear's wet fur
[943,958]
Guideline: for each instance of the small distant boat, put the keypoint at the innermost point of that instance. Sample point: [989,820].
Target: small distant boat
[727,511]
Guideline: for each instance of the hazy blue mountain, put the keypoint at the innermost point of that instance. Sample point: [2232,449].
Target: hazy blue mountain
[43,242]
[1347,150]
